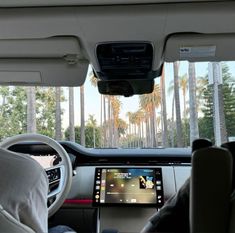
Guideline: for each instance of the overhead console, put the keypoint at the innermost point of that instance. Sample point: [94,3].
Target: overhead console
[128,186]
[125,61]
[126,68]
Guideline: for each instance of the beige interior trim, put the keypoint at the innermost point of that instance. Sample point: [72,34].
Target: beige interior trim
[55,61]
[95,24]
[200,47]
[30,3]
[42,72]
[54,47]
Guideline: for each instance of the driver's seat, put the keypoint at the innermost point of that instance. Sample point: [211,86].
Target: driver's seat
[9,224]
[23,196]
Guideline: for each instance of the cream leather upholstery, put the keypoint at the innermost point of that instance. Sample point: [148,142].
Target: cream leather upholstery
[8,224]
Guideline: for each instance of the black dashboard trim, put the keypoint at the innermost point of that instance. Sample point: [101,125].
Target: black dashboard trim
[88,156]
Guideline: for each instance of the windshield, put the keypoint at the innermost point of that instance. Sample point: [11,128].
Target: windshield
[189,100]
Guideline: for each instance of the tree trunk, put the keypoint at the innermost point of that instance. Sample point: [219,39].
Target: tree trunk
[164,114]
[105,122]
[101,118]
[153,123]
[193,116]
[173,122]
[224,135]
[177,107]
[31,110]
[142,135]
[110,134]
[82,110]
[150,141]
[220,131]
[147,132]
[155,135]
[139,129]
[71,115]
[135,129]
[116,142]
[58,133]
[152,128]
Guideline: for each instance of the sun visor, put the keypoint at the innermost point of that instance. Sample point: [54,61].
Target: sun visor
[200,47]
[56,61]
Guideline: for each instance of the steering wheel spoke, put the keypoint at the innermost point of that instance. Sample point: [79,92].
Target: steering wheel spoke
[55,177]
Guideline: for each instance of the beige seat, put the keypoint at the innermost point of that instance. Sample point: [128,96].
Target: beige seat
[8,224]
[210,190]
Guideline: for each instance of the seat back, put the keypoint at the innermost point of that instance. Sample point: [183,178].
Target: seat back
[231,147]
[232,215]
[8,224]
[210,190]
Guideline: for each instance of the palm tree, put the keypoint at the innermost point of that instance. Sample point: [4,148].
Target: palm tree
[183,84]
[163,107]
[92,123]
[193,117]
[71,115]
[157,100]
[110,125]
[172,123]
[177,106]
[201,84]
[31,110]
[128,114]
[116,106]
[149,102]
[82,111]
[147,137]
[105,121]
[94,81]
[139,121]
[58,133]
[131,122]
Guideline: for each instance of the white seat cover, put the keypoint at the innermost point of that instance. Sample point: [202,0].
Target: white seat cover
[8,224]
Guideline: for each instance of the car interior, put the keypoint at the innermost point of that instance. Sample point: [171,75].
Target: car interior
[126,45]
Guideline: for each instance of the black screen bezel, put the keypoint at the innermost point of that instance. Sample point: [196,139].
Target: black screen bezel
[158,192]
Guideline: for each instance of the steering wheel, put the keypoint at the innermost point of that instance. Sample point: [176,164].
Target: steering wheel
[60,174]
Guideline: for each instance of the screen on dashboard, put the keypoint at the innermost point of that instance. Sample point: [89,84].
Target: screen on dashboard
[128,186]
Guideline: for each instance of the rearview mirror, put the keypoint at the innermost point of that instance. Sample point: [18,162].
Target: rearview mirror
[126,88]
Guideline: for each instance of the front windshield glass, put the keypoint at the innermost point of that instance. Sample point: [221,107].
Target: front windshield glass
[189,100]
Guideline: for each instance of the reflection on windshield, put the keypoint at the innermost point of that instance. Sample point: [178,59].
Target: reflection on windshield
[189,100]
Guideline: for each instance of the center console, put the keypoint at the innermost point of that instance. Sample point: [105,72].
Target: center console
[128,187]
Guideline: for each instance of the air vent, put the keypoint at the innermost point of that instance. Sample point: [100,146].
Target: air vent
[125,61]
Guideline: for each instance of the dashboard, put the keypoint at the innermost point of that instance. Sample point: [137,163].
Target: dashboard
[114,188]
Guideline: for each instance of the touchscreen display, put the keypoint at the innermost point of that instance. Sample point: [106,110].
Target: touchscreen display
[128,186]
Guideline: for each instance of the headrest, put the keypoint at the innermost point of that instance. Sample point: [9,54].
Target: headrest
[201,143]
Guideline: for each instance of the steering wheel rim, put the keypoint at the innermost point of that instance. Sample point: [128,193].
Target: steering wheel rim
[64,166]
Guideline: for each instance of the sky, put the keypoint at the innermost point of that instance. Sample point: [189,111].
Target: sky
[92,96]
